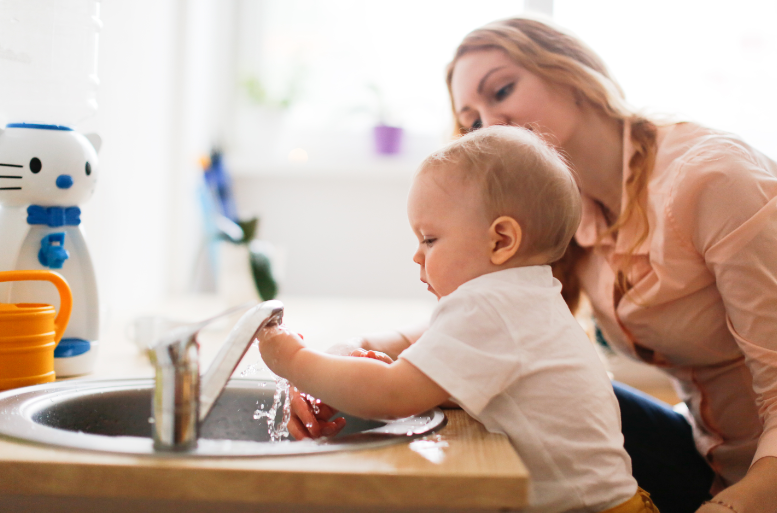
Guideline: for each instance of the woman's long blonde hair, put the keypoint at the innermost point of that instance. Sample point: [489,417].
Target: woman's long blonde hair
[561,59]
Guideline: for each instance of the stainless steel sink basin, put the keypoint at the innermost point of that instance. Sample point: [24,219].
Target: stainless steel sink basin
[115,416]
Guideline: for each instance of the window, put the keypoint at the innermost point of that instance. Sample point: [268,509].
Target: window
[317,76]
[710,61]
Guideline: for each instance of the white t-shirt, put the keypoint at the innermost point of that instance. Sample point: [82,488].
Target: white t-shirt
[506,348]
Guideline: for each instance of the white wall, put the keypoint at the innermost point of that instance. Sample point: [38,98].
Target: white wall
[128,219]
[159,111]
[342,233]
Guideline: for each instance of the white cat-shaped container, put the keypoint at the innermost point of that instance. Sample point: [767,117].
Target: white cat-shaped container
[46,171]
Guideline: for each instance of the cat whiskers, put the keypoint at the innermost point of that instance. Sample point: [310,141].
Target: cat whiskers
[12,177]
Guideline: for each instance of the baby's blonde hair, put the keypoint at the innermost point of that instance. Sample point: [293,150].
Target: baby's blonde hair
[519,176]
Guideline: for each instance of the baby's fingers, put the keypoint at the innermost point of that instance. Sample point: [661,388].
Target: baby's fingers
[302,412]
[276,333]
[297,430]
[332,428]
[325,412]
[375,355]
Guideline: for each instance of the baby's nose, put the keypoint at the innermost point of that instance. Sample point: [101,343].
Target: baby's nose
[64,181]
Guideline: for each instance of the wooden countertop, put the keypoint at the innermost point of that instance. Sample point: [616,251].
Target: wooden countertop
[460,467]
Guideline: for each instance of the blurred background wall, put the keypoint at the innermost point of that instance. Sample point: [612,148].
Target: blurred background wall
[290,90]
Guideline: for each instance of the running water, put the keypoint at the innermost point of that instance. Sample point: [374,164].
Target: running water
[277,430]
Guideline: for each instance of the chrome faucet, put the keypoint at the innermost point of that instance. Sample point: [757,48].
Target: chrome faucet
[183,400]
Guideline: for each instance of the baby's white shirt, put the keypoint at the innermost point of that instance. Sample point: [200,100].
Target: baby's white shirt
[506,348]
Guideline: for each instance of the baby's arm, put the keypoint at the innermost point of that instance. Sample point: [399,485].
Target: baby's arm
[364,387]
[390,342]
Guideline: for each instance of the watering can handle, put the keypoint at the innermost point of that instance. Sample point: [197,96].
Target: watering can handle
[65,297]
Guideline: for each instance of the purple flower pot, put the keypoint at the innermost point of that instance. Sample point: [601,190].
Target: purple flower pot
[387,139]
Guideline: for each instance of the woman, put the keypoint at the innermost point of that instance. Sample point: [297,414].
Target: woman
[676,253]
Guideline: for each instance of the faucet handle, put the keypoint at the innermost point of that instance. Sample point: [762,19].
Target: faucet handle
[172,348]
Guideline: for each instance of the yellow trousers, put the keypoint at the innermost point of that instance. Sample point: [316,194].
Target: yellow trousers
[640,503]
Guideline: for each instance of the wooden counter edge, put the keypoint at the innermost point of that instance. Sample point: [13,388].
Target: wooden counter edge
[401,477]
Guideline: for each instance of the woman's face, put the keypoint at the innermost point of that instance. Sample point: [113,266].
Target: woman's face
[489,88]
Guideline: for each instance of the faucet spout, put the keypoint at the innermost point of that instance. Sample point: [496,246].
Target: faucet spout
[233,350]
[183,400]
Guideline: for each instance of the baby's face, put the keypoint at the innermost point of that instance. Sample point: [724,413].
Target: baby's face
[449,219]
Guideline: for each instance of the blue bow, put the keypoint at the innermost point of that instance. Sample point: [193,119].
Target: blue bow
[53,216]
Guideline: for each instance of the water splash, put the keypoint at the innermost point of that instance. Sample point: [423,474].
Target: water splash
[314,404]
[431,447]
[253,369]
[277,430]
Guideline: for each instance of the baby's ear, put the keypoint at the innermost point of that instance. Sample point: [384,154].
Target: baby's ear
[96,141]
[506,235]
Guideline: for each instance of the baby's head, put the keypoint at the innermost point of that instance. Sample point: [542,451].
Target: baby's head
[496,198]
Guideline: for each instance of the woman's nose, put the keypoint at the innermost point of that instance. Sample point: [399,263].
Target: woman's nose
[493,118]
[490,116]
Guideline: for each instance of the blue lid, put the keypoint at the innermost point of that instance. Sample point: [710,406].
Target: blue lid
[39,127]
[69,347]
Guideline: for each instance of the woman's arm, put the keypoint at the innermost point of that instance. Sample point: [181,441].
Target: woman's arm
[364,387]
[755,493]
[725,205]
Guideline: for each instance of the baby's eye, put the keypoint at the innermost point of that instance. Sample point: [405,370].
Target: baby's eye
[504,92]
[428,242]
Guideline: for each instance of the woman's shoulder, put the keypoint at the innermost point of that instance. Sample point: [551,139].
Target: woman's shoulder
[712,180]
[689,144]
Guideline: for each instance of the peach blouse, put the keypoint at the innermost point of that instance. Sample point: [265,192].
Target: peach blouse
[703,306]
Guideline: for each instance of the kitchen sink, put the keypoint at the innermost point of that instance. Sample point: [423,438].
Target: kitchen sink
[115,416]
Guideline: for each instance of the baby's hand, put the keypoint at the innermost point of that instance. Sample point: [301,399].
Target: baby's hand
[375,355]
[278,345]
[310,417]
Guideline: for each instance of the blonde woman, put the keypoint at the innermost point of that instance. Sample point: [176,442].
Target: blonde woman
[676,252]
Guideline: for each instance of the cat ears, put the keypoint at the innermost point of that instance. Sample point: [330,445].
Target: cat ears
[95,139]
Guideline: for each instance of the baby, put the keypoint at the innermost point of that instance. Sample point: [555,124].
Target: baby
[491,210]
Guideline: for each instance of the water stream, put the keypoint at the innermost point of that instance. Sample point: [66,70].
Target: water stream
[278,429]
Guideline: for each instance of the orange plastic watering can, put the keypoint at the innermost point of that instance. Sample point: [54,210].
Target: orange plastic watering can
[29,333]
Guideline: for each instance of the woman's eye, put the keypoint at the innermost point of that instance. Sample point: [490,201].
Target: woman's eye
[477,124]
[504,92]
